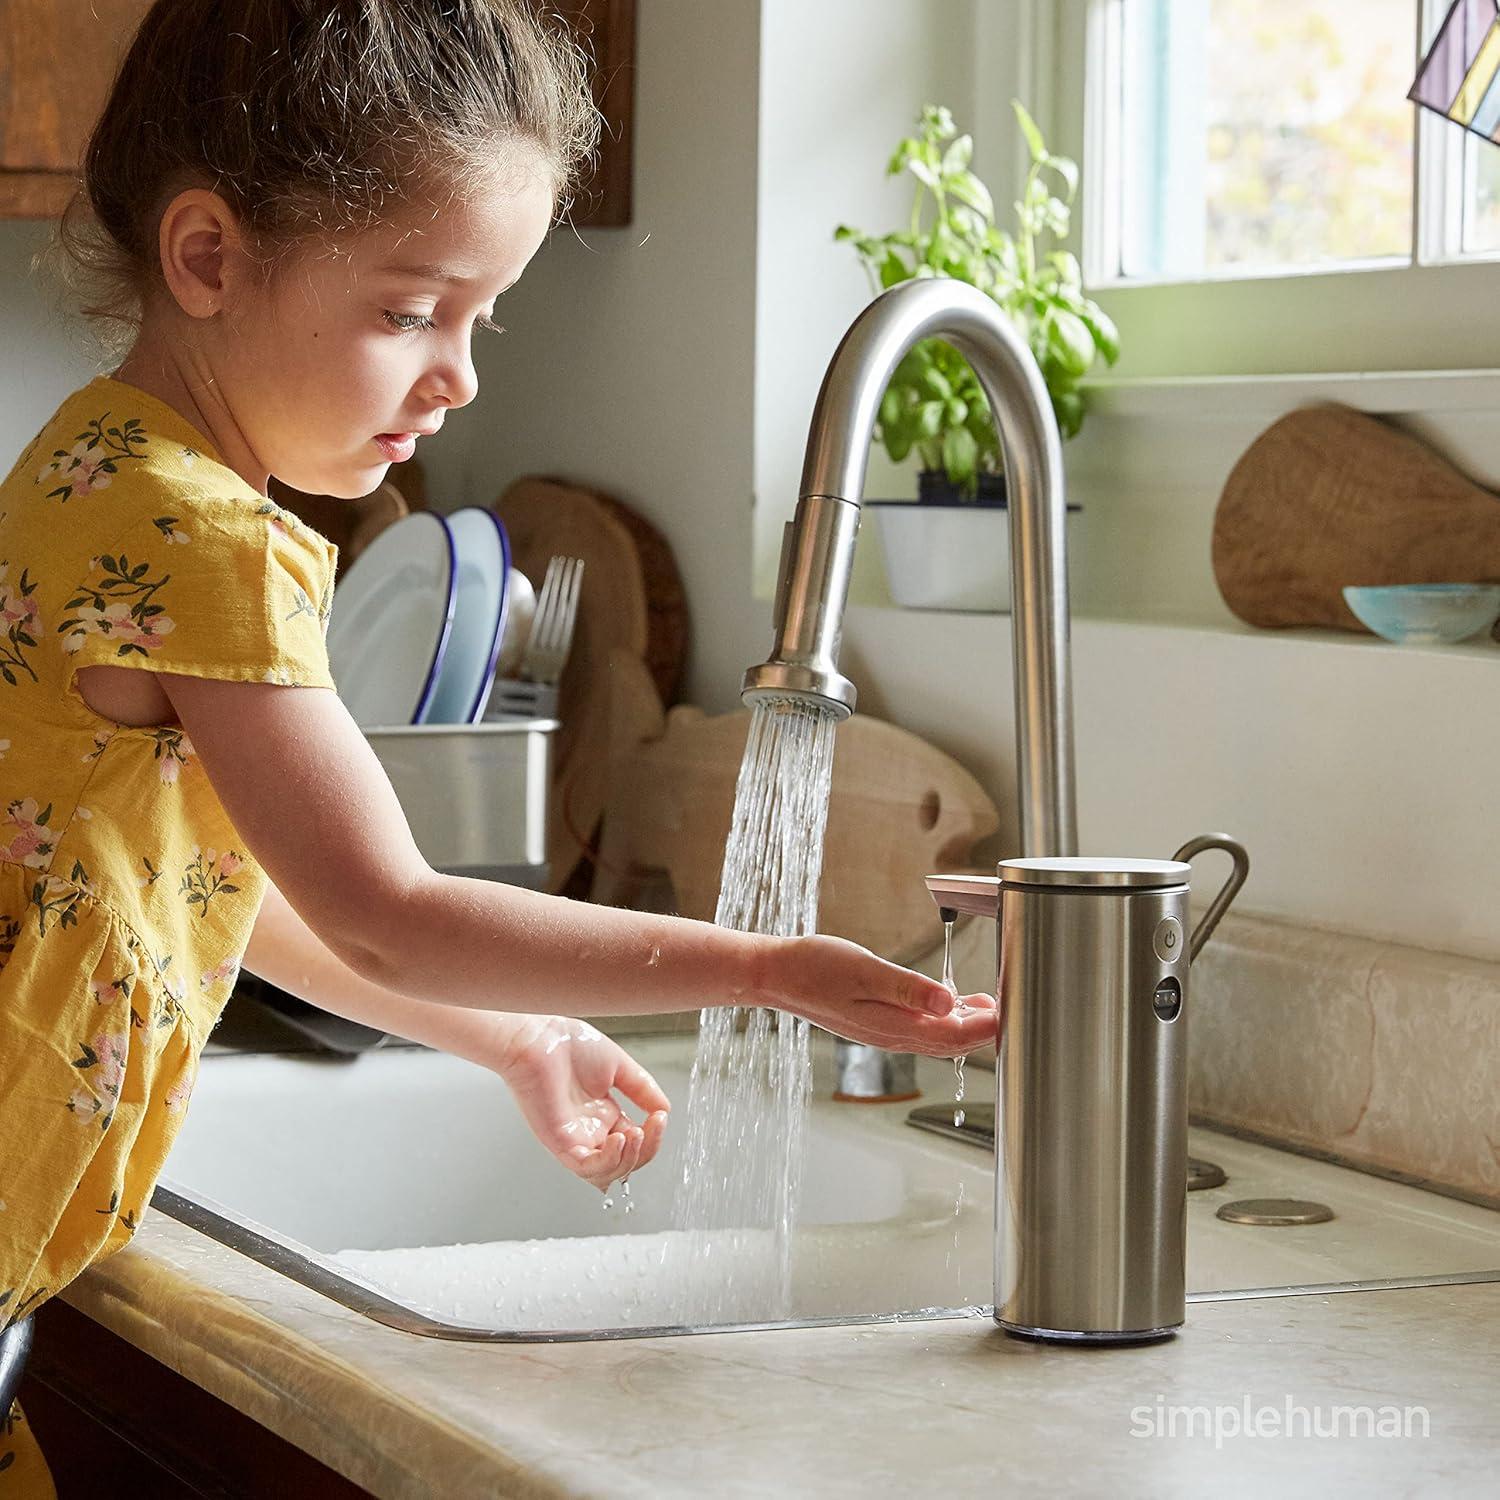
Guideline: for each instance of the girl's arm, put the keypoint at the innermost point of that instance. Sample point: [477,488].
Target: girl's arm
[563,1073]
[284,950]
[306,792]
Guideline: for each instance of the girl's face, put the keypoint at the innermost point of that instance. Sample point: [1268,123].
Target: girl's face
[329,373]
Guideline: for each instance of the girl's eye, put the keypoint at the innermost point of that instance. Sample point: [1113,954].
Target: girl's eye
[411,322]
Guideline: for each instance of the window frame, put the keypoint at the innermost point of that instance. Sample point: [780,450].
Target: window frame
[1409,313]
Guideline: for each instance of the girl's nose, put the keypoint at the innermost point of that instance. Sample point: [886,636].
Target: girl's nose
[452,379]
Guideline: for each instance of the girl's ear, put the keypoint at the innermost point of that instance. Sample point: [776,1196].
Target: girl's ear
[199,244]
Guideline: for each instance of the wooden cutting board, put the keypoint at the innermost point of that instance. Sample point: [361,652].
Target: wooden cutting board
[900,809]
[1328,496]
[546,518]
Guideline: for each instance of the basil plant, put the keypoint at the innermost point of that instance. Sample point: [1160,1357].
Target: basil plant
[934,405]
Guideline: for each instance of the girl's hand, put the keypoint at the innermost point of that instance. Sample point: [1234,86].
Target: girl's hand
[849,990]
[562,1072]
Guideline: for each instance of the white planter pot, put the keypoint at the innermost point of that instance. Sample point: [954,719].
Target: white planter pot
[951,556]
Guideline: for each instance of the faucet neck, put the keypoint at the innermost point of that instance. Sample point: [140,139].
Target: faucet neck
[818,550]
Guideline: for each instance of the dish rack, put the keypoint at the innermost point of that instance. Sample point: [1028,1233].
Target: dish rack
[476,795]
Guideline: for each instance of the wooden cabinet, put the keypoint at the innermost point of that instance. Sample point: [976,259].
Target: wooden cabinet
[58,59]
[113,1422]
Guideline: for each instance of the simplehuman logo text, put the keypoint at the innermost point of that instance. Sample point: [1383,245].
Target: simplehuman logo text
[1290,1419]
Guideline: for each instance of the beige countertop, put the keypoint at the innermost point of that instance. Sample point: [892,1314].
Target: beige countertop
[945,1408]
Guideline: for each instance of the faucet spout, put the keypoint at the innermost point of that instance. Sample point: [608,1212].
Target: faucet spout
[818,546]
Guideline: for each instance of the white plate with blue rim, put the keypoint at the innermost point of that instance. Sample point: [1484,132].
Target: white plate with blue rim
[482,550]
[391,618]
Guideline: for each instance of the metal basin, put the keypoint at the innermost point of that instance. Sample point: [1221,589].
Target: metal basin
[404,1183]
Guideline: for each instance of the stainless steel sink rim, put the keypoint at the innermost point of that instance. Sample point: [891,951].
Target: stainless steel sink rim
[287,1262]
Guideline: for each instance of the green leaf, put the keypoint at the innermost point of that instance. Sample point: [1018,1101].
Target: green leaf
[930,419]
[936,384]
[960,454]
[893,270]
[898,445]
[902,154]
[1102,326]
[1069,341]
[890,407]
[969,189]
[924,173]
[1068,408]
[1067,169]
[958,156]
[1034,141]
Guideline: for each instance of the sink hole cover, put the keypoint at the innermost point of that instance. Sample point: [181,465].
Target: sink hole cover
[1275,1211]
[1204,1174]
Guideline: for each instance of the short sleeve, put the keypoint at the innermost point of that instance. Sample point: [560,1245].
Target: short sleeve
[229,587]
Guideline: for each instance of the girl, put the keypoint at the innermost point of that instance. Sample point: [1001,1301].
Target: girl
[300,210]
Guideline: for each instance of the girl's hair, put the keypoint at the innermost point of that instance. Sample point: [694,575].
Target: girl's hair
[310,117]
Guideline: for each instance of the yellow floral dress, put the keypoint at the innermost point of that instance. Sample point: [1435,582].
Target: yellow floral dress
[126,896]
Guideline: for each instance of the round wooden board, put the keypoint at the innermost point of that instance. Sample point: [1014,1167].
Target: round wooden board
[1328,496]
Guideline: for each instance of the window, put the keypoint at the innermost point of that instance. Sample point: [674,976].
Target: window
[1253,138]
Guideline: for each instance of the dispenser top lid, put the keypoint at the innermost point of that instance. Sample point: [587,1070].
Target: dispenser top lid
[1093,873]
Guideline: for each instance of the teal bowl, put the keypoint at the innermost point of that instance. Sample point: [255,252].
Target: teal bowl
[1426,614]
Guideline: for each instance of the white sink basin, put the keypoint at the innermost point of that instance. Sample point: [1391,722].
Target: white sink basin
[411,1175]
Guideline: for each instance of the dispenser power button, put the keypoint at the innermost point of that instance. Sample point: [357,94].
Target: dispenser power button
[1167,940]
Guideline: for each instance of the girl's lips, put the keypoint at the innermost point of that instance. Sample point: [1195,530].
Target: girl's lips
[397,447]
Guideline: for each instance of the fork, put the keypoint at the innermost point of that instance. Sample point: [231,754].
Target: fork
[552,627]
[532,694]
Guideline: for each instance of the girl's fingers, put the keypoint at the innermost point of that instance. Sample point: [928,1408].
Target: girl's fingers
[656,1128]
[639,1086]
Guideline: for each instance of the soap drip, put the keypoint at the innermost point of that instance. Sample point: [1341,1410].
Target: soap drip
[625,1189]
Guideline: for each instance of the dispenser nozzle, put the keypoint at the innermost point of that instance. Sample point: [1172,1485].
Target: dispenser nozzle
[979,895]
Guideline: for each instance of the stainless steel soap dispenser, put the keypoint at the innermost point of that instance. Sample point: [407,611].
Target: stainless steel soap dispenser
[1091,1087]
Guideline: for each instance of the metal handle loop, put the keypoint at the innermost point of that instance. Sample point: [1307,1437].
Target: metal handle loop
[1231,888]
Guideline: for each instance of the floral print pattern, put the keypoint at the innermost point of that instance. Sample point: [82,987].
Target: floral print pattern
[121,607]
[167,525]
[22,622]
[103,1062]
[173,752]
[94,459]
[227,970]
[58,900]
[121,933]
[29,840]
[207,876]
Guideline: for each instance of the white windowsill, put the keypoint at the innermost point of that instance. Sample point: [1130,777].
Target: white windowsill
[1377,391]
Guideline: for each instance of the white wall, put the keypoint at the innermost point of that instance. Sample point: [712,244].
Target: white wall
[45,352]
[628,359]
[841,83]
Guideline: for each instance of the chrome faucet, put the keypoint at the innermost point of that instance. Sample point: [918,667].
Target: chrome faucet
[817,554]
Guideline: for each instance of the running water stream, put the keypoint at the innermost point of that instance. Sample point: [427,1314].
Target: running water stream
[752,1076]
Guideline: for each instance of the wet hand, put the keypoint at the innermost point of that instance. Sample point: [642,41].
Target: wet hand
[565,1074]
[849,990]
